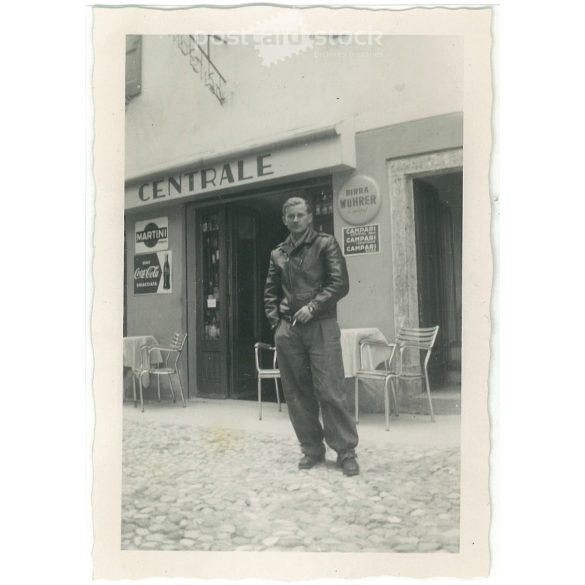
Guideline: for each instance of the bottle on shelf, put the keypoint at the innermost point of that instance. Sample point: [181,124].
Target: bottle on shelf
[323,203]
[318,209]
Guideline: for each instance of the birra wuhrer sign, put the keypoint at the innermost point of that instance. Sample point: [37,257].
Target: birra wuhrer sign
[152,235]
[363,239]
[359,200]
[153,273]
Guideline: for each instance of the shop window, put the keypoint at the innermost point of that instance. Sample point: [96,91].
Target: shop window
[321,198]
[133,66]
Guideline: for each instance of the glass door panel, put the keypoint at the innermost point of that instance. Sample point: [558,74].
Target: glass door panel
[211,276]
[211,297]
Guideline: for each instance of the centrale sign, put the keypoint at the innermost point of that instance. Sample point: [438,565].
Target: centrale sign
[330,150]
[206,178]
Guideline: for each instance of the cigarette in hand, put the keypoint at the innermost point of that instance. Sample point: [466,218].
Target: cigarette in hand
[294,322]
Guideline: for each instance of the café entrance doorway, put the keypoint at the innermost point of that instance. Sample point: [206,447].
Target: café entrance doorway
[231,249]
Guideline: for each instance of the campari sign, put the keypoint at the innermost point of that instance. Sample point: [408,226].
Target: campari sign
[153,273]
[364,239]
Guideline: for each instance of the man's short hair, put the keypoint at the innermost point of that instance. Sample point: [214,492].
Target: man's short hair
[296,201]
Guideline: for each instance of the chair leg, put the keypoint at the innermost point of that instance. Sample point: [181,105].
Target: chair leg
[429,396]
[134,387]
[259,398]
[357,390]
[181,389]
[158,387]
[277,395]
[140,388]
[172,389]
[393,386]
[387,404]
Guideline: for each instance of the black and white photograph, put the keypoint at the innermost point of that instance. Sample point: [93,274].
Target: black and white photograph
[310,305]
[297,322]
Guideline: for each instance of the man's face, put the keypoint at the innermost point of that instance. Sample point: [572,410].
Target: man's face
[297,219]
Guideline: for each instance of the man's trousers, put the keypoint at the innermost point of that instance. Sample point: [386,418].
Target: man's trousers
[311,369]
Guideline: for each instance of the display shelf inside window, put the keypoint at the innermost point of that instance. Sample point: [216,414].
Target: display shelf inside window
[211,265]
[322,200]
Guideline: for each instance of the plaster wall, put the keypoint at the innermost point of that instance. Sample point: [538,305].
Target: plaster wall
[176,117]
[160,314]
[371,299]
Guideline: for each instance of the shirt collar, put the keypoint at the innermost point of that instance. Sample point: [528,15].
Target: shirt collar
[307,238]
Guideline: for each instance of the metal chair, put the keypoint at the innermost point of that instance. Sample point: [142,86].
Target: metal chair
[173,350]
[408,338]
[266,374]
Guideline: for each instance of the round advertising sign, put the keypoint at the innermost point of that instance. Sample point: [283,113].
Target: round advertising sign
[151,234]
[359,200]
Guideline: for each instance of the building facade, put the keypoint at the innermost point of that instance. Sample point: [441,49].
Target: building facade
[220,131]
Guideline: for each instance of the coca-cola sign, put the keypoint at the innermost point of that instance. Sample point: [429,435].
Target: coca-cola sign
[152,273]
[152,235]
[147,273]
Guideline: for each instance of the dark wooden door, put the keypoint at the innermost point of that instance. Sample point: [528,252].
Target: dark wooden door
[212,302]
[432,222]
[245,298]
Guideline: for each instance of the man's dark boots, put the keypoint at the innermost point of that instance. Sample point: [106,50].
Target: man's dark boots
[348,465]
[309,461]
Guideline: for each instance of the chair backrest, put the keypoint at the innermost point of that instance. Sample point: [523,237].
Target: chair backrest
[178,341]
[421,338]
[258,346]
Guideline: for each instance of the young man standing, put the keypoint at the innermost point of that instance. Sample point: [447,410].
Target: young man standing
[307,276]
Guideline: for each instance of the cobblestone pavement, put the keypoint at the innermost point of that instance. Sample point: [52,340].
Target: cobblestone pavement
[219,489]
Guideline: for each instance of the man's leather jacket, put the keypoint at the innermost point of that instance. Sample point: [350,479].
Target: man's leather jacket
[311,273]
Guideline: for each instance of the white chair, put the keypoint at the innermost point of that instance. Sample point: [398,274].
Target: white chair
[169,366]
[408,339]
[266,373]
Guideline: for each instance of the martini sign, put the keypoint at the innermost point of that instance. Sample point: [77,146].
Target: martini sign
[152,235]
